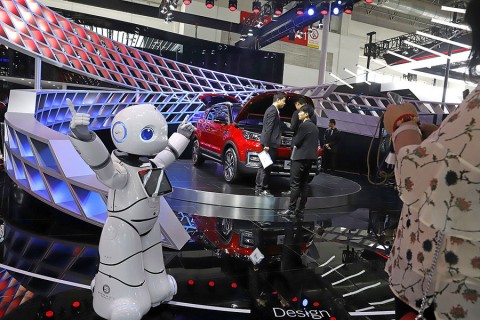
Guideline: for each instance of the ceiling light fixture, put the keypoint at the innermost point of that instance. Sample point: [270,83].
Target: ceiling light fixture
[400,56]
[338,79]
[256,6]
[408,43]
[455,43]
[277,7]
[335,10]
[451,24]
[348,8]
[324,8]
[209,4]
[232,5]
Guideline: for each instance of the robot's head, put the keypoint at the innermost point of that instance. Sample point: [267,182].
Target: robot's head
[140,130]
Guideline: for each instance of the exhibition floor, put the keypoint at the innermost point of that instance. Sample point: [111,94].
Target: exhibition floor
[328,266]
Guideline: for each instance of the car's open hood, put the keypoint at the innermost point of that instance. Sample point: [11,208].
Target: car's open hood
[210,99]
[257,106]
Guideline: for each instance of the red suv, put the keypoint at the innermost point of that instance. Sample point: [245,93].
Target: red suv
[229,133]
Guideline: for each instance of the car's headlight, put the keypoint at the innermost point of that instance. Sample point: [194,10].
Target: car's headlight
[251,135]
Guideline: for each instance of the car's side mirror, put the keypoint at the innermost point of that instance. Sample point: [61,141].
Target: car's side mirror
[220,120]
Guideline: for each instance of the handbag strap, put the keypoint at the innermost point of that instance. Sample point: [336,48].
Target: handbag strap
[429,277]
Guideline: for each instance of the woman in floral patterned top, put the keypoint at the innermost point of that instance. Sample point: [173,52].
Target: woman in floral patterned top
[439,182]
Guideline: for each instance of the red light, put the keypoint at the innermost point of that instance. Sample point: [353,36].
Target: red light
[278,12]
[333,318]
[234,285]
[232,8]
[49,314]
[348,11]
[76,304]
[299,11]
[187,2]
[209,6]
[316,304]
[324,12]
[211,283]
[256,10]
[191,282]
[369,1]
[274,292]
[294,299]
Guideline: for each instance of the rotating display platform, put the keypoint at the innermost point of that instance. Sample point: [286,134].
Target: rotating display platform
[203,191]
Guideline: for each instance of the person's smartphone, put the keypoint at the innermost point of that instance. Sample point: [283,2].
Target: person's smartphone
[394,98]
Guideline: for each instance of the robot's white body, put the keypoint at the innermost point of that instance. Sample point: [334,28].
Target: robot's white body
[131,277]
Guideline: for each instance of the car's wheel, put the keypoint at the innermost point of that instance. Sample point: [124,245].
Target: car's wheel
[230,165]
[197,157]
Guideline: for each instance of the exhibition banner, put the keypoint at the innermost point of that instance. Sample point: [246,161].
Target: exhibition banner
[308,40]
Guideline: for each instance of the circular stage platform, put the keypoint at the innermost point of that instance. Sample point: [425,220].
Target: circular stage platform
[203,191]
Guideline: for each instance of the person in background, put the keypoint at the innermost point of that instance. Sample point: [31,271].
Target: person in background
[330,146]
[294,123]
[438,180]
[304,153]
[270,140]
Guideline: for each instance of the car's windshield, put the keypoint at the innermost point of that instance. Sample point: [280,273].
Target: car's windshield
[236,107]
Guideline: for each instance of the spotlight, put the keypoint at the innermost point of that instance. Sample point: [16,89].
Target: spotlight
[256,6]
[277,8]
[232,5]
[335,11]
[324,8]
[187,2]
[348,8]
[209,4]
[311,10]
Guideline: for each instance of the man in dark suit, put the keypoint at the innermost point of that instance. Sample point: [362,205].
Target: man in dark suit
[294,123]
[330,146]
[270,140]
[304,153]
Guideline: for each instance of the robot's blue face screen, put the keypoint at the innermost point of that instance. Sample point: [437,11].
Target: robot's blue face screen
[119,131]
[147,134]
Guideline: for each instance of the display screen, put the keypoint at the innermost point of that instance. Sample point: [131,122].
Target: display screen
[155,182]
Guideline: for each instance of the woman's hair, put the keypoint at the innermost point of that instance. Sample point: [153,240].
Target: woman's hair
[472,18]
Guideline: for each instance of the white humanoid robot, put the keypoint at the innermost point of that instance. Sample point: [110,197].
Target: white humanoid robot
[131,277]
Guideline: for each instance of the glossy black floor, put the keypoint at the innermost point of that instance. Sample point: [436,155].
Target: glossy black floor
[327,268]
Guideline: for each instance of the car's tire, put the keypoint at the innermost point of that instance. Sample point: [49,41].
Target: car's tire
[197,157]
[230,165]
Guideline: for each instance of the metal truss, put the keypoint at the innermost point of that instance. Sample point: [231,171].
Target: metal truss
[378,49]
[33,29]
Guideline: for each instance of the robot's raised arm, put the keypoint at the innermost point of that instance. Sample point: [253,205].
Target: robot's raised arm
[96,155]
[177,143]
[93,151]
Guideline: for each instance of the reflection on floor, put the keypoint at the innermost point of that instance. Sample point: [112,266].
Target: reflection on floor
[330,267]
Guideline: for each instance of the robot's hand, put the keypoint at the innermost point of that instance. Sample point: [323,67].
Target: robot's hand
[186,128]
[79,123]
